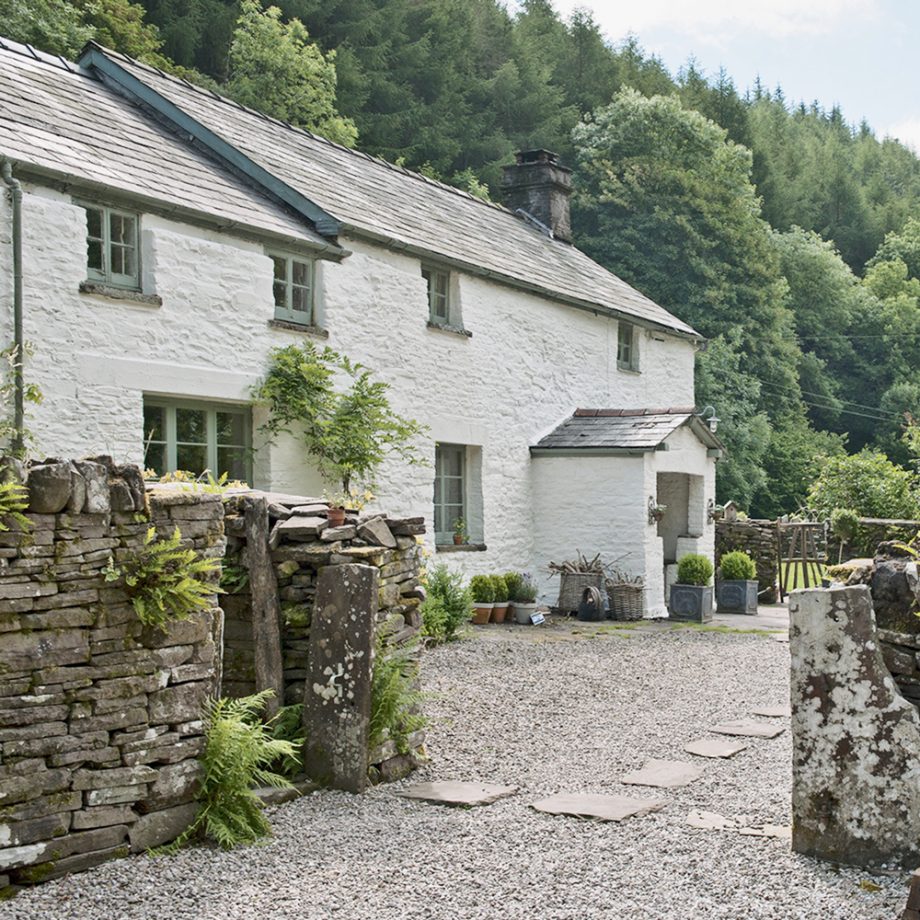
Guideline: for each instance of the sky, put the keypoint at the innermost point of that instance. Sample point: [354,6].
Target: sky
[860,54]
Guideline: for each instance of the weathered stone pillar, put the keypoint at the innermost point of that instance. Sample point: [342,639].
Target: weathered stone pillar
[856,740]
[337,698]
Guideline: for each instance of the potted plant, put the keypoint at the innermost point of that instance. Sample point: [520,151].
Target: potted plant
[523,600]
[351,499]
[461,535]
[500,598]
[483,594]
[736,588]
[691,597]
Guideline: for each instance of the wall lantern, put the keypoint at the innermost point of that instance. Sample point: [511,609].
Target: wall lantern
[709,416]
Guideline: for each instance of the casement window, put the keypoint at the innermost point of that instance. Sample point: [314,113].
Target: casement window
[438,295]
[193,436]
[627,347]
[449,490]
[294,285]
[112,255]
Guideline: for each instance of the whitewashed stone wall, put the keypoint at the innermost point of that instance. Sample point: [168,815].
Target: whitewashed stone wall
[528,365]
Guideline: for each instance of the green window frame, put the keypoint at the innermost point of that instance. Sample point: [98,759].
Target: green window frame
[293,286]
[438,294]
[627,347]
[112,246]
[198,436]
[450,491]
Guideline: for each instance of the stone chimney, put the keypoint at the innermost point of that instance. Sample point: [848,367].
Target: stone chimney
[539,186]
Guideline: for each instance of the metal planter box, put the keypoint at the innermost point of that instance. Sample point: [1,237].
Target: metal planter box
[737,597]
[690,603]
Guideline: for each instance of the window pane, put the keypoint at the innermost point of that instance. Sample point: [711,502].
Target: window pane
[231,428]
[94,255]
[155,458]
[191,426]
[441,284]
[119,260]
[439,519]
[280,268]
[192,457]
[121,227]
[300,300]
[232,461]
[451,461]
[154,423]
[94,223]
[300,272]
[279,290]
[453,491]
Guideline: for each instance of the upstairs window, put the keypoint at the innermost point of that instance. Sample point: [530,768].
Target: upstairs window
[112,247]
[438,295]
[293,288]
[196,437]
[627,347]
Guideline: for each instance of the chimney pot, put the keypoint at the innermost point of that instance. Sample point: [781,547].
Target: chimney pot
[540,185]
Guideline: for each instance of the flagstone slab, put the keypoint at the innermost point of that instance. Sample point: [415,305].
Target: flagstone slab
[773,712]
[451,792]
[602,807]
[780,831]
[663,774]
[781,637]
[748,728]
[710,821]
[715,747]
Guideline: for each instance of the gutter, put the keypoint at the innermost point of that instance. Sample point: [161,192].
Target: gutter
[6,170]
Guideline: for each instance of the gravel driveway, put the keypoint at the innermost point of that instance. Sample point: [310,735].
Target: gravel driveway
[561,708]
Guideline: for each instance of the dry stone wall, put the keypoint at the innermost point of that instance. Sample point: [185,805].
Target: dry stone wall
[758,539]
[303,543]
[100,724]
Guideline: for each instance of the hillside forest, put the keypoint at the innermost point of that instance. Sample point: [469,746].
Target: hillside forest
[785,234]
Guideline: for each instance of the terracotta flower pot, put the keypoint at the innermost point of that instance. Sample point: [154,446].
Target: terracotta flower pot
[458,540]
[336,517]
[499,612]
[481,613]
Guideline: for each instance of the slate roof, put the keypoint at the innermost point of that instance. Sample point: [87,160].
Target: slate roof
[623,430]
[374,199]
[58,120]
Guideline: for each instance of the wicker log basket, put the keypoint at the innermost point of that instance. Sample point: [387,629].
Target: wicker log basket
[572,586]
[627,599]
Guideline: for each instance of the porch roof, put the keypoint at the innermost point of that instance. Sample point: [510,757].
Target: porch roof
[623,430]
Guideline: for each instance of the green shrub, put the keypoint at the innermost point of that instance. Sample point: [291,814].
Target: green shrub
[482,589]
[395,698]
[526,593]
[447,607]
[239,751]
[738,566]
[165,581]
[844,524]
[513,582]
[499,589]
[694,569]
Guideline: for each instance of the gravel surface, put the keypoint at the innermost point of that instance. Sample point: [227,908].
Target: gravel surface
[562,708]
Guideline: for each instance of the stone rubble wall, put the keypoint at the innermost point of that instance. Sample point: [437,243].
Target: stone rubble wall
[757,538]
[872,531]
[100,716]
[302,543]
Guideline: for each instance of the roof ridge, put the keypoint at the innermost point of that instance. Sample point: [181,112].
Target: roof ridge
[207,91]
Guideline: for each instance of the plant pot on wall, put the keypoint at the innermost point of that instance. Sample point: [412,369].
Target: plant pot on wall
[737,596]
[335,516]
[691,603]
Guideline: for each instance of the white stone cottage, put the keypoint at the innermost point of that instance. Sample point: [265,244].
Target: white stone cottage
[172,238]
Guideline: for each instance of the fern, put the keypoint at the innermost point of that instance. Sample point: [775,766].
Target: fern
[288,726]
[165,581]
[238,755]
[396,700]
[14,499]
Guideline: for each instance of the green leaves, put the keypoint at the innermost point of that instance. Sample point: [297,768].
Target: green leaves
[14,499]
[395,698]
[165,581]
[348,433]
[447,606]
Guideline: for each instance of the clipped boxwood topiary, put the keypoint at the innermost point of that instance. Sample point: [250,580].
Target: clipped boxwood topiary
[737,566]
[482,589]
[694,569]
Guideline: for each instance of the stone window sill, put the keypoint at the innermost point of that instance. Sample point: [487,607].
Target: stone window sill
[447,327]
[461,548]
[123,294]
[288,326]
[628,370]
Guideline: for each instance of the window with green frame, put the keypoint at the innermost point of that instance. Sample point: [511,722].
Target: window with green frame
[293,287]
[194,436]
[112,255]
[627,347]
[449,489]
[438,294]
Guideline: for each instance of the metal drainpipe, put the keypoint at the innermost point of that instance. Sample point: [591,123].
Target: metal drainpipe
[6,170]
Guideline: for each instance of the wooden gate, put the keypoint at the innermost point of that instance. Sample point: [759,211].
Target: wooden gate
[802,551]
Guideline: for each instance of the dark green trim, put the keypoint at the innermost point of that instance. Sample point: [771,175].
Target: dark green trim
[94,59]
